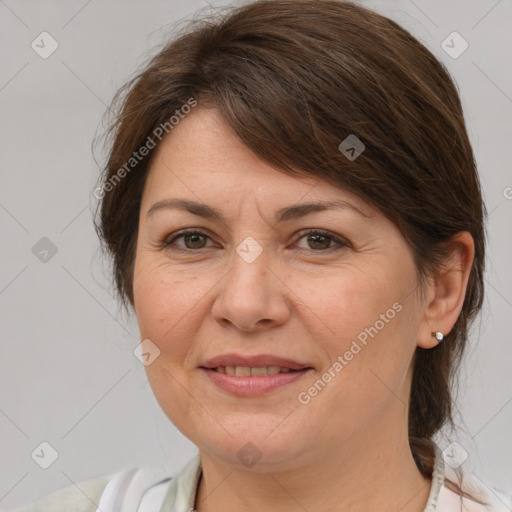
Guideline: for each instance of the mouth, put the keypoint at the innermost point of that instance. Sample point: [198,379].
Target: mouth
[245,381]
[247,371]
[253,375]
[261,364]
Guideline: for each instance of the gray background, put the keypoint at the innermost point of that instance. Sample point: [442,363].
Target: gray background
[68,374]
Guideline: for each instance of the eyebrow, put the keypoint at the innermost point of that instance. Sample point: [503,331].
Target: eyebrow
[283,214]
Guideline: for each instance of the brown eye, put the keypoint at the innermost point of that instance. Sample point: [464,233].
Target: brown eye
[196,240]
[192,240]
[321,241]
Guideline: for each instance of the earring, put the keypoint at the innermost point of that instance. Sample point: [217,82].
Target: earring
[438,335]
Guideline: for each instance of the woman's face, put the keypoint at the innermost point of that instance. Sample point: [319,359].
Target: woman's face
[342,301]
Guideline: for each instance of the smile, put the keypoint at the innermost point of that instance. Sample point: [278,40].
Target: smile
[245,381]
[247,371]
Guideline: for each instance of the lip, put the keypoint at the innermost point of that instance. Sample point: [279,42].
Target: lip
[257,361]
[253,385]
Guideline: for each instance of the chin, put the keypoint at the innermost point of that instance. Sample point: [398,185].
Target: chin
[256,447]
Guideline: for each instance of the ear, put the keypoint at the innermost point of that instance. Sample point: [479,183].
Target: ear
[445,294]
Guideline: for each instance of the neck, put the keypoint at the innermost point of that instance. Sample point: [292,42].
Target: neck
[369,471]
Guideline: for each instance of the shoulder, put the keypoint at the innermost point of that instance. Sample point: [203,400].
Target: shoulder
[479,496]
[82,497]
[136,488]
[455,489]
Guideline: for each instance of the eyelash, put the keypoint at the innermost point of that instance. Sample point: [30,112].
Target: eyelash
[167,243]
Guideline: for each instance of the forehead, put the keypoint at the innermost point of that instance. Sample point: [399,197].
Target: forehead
[203,159]
[203,146]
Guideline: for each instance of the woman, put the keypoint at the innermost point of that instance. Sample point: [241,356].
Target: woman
[294,214]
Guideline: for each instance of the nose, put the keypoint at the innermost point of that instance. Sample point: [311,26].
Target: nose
[252,296]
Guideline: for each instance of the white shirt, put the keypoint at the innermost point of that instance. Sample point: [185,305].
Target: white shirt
[152,489]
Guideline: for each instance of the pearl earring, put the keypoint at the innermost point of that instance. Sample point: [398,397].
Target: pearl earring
[438,335]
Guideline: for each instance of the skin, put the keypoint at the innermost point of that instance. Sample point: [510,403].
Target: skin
[347,448]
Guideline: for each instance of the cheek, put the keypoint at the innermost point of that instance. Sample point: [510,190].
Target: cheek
[164,306]
[368,317]
[163,303]
[351,300]
[363,327]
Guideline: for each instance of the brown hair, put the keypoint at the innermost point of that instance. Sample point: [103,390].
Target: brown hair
[293,79]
